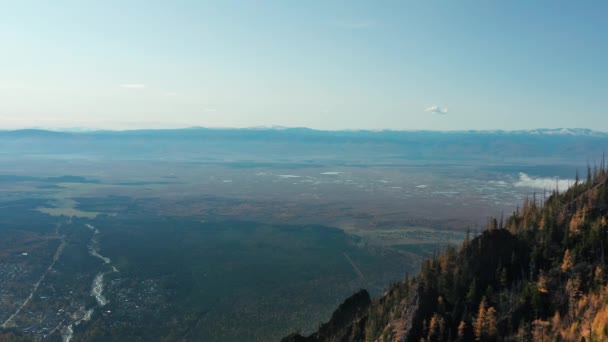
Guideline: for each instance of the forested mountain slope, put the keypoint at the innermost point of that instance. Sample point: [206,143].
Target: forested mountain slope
[539,275]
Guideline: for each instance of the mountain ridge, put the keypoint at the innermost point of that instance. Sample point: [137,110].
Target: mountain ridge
[311,146]
[539,274]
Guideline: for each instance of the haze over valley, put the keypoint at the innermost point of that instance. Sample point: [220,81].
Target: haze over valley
[227,230]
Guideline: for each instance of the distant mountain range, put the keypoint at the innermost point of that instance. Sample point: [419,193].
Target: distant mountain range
[537,131]
[287,145]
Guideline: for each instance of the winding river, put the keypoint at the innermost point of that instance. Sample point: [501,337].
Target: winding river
[96,288]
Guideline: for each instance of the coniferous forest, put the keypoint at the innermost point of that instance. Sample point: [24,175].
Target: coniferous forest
[538,275]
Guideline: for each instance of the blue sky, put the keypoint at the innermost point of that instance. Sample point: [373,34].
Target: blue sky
[326,64]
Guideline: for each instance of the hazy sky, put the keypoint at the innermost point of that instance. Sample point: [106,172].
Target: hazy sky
[329,65]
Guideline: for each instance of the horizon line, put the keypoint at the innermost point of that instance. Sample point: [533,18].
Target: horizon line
[279,128]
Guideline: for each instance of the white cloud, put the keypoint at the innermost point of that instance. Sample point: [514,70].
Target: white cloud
[547,183]
[436,110]
[133,86]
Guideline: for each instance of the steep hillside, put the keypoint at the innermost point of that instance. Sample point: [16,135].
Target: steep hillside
[538,276]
